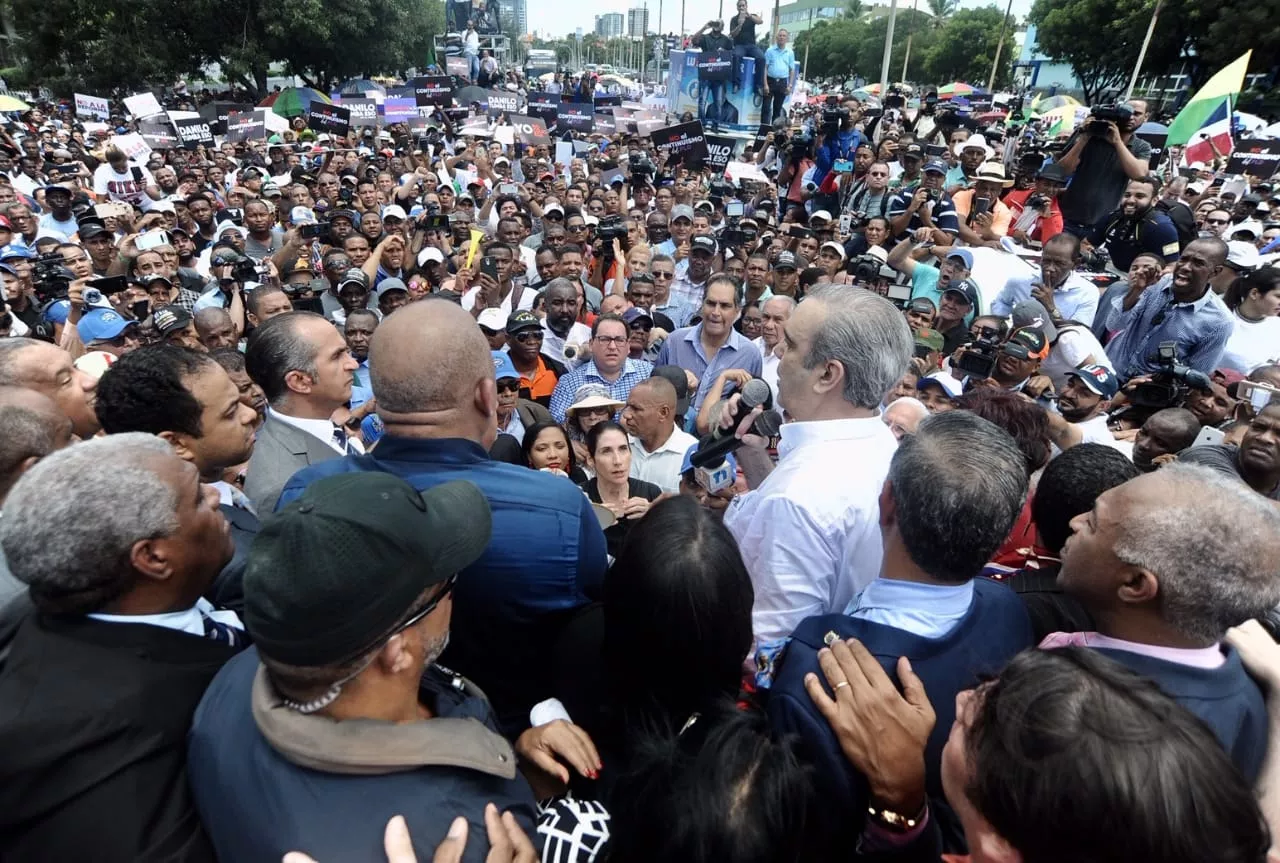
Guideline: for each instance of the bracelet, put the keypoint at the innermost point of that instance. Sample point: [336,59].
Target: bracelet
[896,821]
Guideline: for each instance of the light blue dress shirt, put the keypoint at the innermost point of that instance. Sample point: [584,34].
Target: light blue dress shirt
[926,610]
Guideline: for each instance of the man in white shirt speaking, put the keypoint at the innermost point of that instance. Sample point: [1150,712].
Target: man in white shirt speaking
[810,532]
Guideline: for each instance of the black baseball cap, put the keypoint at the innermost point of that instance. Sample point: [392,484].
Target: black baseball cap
[966,289]
[680,381]
[334,571]
[522,320]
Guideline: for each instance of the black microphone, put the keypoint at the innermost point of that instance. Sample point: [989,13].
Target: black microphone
[714,447]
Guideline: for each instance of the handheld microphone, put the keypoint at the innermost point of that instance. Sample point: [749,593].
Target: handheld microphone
[755,393]
[712,451]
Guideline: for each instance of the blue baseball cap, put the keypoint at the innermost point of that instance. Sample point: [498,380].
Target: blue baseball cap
[102,325]
[1099,379]
[503,367]
[936,167]
[57,311]
[964,255]
[16,250]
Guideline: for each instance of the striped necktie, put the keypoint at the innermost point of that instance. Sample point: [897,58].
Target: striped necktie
[222,633]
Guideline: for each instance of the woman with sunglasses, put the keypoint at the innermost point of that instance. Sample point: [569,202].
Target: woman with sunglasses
[591,406]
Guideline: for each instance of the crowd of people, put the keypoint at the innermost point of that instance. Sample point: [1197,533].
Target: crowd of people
[426,498]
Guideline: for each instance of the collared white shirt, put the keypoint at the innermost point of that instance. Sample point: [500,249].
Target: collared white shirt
[229,495]
[662,466]
[190,621]
[553,345]
[810,534]
[320,429]
[769,369]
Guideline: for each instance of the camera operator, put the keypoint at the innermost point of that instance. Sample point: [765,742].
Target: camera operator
[926,207]
[798,169]
[837,135]
[1035,211]
[1180,308]
[868,197]
[1102,156]
[1137,227]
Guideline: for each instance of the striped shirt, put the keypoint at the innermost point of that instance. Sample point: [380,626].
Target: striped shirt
[633,372]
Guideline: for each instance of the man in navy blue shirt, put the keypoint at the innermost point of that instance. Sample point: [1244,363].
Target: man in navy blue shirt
[433,377]
[1165,564]
[1137,226]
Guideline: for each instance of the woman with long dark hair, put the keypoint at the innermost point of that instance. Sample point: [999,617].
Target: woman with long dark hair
[1254,301]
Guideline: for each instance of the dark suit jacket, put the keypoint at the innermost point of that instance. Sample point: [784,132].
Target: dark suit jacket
[93,730]
[227,590]
[280,451]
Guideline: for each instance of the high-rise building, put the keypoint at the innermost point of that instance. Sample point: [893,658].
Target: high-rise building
[609,24]
[637,22]
[515,15]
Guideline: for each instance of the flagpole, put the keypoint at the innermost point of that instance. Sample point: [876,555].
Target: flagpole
[1142,54]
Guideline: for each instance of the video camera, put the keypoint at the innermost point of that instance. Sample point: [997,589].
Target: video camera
[833,116]
[978,359]
[1118,113]
[1170,385]
[865,269]
[50,278]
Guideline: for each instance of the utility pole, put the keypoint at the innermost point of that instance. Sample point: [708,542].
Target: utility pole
[915,7]
[1142,55]
[682,23]
[995,64]
[774,36]
[888,49]
[809,38]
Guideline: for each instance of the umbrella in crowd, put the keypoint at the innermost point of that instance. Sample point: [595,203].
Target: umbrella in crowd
[955,88]
[293,101]
[12,103]
[873,89]
[361,86]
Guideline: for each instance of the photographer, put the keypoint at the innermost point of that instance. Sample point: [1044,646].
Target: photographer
[1035,211]
[1137,227]
[837,136]
[926,207]
[1101,157]
[868,197]
[982,218]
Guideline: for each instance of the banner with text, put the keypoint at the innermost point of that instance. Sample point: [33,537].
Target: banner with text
[683,142]
[334,119]
[575,116]
[719,152]
[1258,157]
[544,106]
[142,105]
[194,132]
[433,90]
[92,107]
[158,133]
[502,102]
[364,112]
[247,125]
[529,130]
[399,110]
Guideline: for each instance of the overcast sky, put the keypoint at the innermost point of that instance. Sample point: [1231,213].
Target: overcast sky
[562,16]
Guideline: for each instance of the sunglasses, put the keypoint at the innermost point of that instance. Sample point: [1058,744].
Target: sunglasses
[641,327]
[575,229]
[430,606]
[658,274]
[530,336]
[509,386]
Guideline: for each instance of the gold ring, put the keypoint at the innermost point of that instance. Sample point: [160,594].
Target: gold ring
[840,684]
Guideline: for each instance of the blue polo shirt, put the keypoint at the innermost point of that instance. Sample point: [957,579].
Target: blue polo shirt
[546,558]
[683,348]
[779,62]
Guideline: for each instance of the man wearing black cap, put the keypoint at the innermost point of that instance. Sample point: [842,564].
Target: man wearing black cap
[928,206]
[433,377]
[177,326]
[59,221]
[100,245]
[538,372]
[912,159]
[339,716]
[786,274]
[1036,215]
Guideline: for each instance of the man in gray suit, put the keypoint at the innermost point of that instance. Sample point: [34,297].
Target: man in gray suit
[302,363]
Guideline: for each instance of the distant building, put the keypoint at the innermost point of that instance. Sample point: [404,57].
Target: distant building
[1043,73]
[637,22]
[803,14]
[515,15]
[609,24]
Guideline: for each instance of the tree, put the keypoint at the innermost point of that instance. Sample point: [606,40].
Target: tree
[1095,37]
[966,47]
[1214,34]
[942,10]
[854,9]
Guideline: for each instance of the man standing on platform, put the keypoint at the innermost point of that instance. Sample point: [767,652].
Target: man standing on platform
[780,72]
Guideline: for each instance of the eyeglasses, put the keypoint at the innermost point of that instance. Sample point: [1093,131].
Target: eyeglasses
[1217,221]
[658,274]
[640,326]
[575,229]
[530,336]
[553,217]
[611,340]
[509,386]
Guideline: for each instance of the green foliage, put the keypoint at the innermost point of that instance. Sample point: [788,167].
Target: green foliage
[845,47]
[105,45]
[966,47]
[1098,38]
[942,10]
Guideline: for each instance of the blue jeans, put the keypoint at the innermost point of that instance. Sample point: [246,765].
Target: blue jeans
[711,108]
[474,61]
[741,51]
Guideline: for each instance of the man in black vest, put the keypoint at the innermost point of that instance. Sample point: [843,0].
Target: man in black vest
[117,540]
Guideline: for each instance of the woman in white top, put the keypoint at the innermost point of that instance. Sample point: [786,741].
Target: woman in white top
[1254,301]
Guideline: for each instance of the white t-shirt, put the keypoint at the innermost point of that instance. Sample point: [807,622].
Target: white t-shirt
[1252,344]
[526,299]
[1073,347]
[124,187]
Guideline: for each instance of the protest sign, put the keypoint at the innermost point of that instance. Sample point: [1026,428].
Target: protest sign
[433,90]
[1258,157]
[216,113]
[92,107]
[646,127]
[247,125]
[142,105]
[399,110]
[544,106]
[364,112]
[683,142]
[159,133]
[334,119]
[605,101]
[529,130]
[719,152]
[194,132]
[459,67]
[132,145]
[575,116]
[715,65]
[502,102]
[605,124]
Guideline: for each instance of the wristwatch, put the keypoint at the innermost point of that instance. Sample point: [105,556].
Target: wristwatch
[896,822]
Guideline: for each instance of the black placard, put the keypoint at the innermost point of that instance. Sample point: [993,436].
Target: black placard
[715,65]
[433,90]
[195,132]
[719,152]
[529,130]
[364,112]
[575,117]
[216,113]
[606,125]
[545,106]
[607,100]
[502,102]
[334,119]
[1258,157]
[159,134]
[246,125]
[684,142]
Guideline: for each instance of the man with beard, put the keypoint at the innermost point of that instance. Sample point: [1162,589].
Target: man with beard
[1082,408]
[561,326]
[263,241]
[1256,462]
[1100,167]
[201,211]
[98,242]
[1165,434]
[1137,227]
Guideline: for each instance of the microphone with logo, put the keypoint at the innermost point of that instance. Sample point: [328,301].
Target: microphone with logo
[713,471]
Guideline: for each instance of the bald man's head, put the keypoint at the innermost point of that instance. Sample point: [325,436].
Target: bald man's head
[430,357]
[31,427]
[660,390]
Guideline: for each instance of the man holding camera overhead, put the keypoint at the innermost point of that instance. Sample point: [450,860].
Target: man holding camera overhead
[1102,156]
